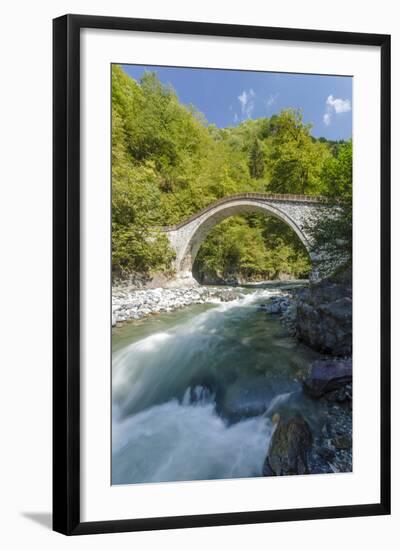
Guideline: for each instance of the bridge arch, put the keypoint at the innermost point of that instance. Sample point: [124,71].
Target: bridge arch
[187,236]
[199,233]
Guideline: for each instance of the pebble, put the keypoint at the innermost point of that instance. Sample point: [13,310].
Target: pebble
[130,303]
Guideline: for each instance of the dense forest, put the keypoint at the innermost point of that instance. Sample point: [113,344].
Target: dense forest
[168,162]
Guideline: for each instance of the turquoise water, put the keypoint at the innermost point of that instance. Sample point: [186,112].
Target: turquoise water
[194,391]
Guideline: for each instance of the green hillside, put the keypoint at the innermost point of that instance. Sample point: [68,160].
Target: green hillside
[168,162]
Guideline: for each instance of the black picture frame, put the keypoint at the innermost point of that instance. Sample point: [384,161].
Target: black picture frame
[66,273]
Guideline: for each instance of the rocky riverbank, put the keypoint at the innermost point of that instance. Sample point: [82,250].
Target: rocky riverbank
[129,303]
[296,449]
[320,316]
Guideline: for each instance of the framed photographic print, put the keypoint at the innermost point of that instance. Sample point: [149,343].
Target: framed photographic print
[221,274]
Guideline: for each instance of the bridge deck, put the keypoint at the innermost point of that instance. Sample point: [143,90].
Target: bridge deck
[272,197]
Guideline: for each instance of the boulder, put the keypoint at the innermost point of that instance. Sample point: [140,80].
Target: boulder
[326,453]
[324,315]
[289,449]
[228,296]
[342,442]
[327,376]
[273,307]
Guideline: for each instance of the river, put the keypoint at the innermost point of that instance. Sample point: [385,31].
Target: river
[194,391]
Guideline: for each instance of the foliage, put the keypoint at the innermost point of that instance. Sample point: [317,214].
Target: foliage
[253,247]
[168,162]
[256,159]
[338,172]
[296,159]
[332,235]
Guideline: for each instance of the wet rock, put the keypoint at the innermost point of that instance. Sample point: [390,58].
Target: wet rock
[326,453]
[228,296]
[289,450]
[342,442]
[327,376]
[275,418]
[273,307]
[340,395]
[277,304]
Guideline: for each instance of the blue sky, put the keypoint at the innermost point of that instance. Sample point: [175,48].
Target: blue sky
[226,98]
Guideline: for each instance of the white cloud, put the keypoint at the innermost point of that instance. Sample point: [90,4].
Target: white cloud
[247,102]
[235,118]
[327,118]
[338,105]
[335,106]
[271,99]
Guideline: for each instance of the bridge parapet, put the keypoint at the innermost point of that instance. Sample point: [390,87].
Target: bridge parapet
[270,197]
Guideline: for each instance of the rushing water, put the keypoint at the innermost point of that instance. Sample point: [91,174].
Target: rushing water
[194,391]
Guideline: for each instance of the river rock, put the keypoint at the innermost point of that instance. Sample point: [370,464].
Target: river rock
[342,442]
[228,296]
[289,449]
[276,304]
[327,376]
[130,303]
[326,453]
[273,307]
[324,315]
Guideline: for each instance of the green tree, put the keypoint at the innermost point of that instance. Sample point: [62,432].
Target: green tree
[338,172]
[296,161]
[333,235]
[136,204]
[256,159]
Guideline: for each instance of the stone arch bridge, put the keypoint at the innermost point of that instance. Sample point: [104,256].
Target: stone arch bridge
[296,211]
